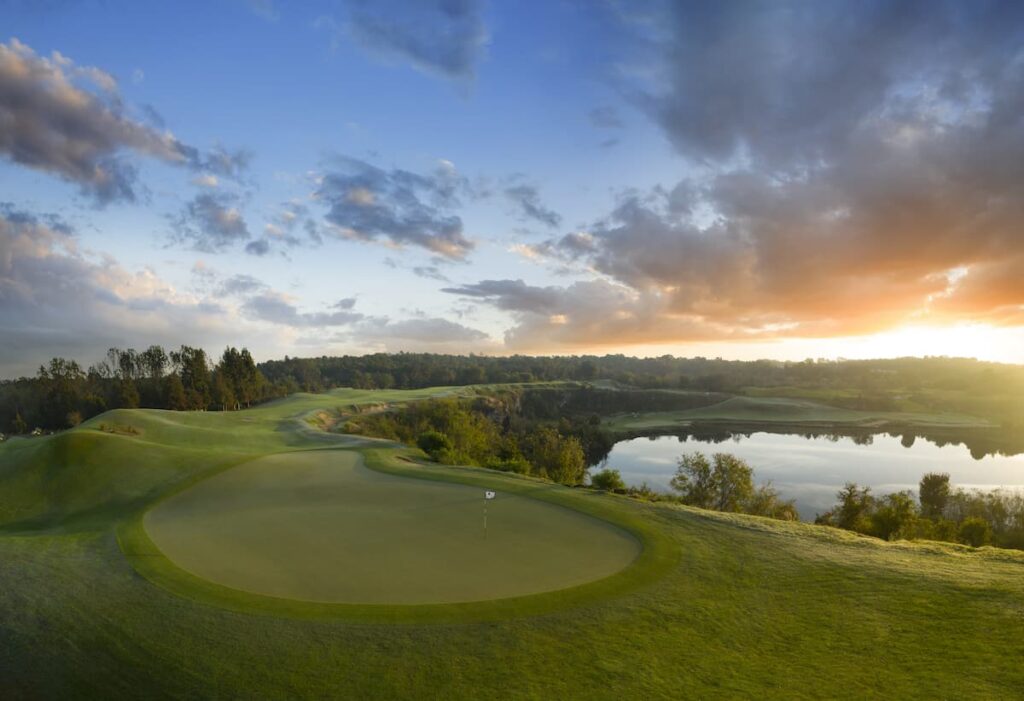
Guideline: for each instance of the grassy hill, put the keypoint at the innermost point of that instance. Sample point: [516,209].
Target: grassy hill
[716,607]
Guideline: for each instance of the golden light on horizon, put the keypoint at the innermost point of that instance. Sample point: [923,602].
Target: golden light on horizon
[981,341]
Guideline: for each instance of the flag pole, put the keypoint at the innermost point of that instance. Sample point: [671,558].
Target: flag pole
[485,518]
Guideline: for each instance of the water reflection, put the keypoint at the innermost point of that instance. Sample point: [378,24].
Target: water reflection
[811,467]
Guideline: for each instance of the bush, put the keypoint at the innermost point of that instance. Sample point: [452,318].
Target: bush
[975,532]
[608,480]
[434,443]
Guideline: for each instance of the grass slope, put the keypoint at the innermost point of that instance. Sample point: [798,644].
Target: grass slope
[727,607]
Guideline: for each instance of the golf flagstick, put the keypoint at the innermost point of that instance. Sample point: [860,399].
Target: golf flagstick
[488,495]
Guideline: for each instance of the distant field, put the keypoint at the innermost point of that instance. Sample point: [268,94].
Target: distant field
[318,526]
[713,607]
[784,410]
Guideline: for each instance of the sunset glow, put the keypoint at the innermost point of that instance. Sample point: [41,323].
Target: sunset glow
[659,180]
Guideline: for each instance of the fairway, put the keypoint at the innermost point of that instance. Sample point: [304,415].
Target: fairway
[319,526]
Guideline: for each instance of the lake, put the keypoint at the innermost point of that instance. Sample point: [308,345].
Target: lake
[812,469]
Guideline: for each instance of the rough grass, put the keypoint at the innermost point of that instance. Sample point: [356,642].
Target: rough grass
[733,606]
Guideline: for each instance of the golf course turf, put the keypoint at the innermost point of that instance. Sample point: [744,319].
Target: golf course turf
[713,606]
[319,526]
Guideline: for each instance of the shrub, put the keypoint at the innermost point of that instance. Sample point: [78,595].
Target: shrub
[434,443]
[975,532]
[607,479]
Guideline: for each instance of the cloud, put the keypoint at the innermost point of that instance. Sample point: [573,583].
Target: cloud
[265,9]
[585,314]
[56,299]
[349,326]
[605,117]
[443,37]
[852,171]
[240,284]
[68,120]
[222,162]
[527,201]
[276,308]
[259,247]
[366,203]
[211,222]
[428,331]
[429,272]
[788,84]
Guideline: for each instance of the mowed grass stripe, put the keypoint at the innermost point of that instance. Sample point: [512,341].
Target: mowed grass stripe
[319,526]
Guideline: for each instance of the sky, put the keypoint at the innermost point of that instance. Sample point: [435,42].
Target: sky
[747,180]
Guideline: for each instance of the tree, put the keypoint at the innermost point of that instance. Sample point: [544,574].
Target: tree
[222,396]
[725,485]
[894,516]
[693,480]
[195,375]
[733,482]
[975,531]
[854,507]
[128,395]
[766,501]
[934,494]
[18,425]
[608,480]
[559,458]
[174,391]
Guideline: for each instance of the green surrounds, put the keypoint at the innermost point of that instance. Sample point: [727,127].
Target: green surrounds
[657,557]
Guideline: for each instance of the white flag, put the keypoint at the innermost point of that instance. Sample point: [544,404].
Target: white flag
[489,494]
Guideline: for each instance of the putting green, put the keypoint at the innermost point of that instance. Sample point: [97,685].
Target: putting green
[319,526]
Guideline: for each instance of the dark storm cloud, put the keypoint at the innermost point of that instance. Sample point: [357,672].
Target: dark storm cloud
[211,222]
[367,203]
[445,37]
[528,204]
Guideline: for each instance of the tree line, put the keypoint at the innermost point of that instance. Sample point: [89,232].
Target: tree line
[988,390]
[63,394]
[939,511]
[465,432]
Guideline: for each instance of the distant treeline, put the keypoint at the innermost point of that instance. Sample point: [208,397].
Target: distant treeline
[990,390]
[63,391]
[63,394]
